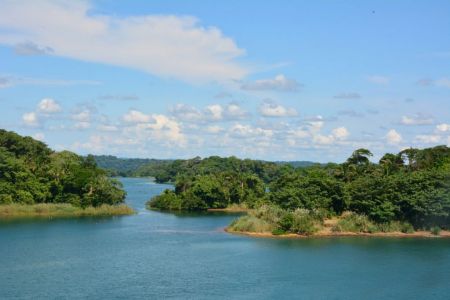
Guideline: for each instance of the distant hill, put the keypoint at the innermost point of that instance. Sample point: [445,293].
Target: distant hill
[117,166]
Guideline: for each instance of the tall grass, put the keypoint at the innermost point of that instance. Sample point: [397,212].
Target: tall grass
[273,219]
[62,210]
[353,222]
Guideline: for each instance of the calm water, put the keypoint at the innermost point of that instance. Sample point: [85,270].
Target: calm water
[159,255]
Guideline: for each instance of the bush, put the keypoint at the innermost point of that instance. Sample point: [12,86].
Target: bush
[436,230]
[251,224]
[304,222]
[352,222]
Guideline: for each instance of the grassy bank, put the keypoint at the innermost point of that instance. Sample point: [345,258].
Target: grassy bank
[62,210]
[271,221]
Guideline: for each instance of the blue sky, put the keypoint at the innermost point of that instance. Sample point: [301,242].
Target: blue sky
[276,80]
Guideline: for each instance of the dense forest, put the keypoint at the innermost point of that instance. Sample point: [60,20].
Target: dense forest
[167,170]
[412,186]
[131,167]
[31,173]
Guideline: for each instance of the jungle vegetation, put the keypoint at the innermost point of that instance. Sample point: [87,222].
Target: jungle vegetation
[403,190]
[31,173]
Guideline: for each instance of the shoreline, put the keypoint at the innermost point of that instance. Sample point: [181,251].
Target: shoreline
[228,209]
[61,210]
[327,234]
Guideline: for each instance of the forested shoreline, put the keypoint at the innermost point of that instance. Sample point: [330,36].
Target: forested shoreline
[403,192]
[31,174]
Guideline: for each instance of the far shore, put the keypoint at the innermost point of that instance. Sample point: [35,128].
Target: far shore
[61,210]
[327,233]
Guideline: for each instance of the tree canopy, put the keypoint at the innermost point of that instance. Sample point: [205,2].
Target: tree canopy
[30,173]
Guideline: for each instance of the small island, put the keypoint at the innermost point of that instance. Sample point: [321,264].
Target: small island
[36,181]
[403,195]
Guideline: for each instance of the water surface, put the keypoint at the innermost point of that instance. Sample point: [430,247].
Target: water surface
[188,256]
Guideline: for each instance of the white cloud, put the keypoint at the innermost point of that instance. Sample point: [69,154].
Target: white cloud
[428,139]
[393,137]
[276,110]
[49,106]
[163,45]
[233,112]
[377,79]
[135,116]
[215,111]
[247,131]
[30,119]
[418,119]
[443,127]
[279,83]
[340,133]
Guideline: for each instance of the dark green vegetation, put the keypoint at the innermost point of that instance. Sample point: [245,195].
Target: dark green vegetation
[131,167]
[411,188]
[167,170]
[31,173]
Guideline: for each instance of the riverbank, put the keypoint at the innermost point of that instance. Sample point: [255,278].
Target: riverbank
[234,208]
[325,233]
[51,210]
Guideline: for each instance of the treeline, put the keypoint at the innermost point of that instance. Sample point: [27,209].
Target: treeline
[32,173]
[131,167]
[167,170]
[411,186]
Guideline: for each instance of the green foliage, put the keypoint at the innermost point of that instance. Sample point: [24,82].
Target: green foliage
[32,173]
[251,224]
[352,222]
[211,191]
[436,230]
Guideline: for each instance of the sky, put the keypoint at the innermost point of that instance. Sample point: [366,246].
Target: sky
[272,80]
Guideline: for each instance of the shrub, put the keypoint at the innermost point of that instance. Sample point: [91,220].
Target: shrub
[353,222]
[436,230]
[303,222]
[250,224]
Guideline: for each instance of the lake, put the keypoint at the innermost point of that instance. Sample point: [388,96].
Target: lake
[188,256]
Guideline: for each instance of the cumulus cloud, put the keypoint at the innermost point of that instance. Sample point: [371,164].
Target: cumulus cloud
[268,109]
[279,83]
[163,45]
[347,96]
[393,137]
[340,133]
[248,131]
[31,119]
[418,119]
[211,113]
[49,106]
[443,127]
[28,48]
[378,79]
[135,116]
